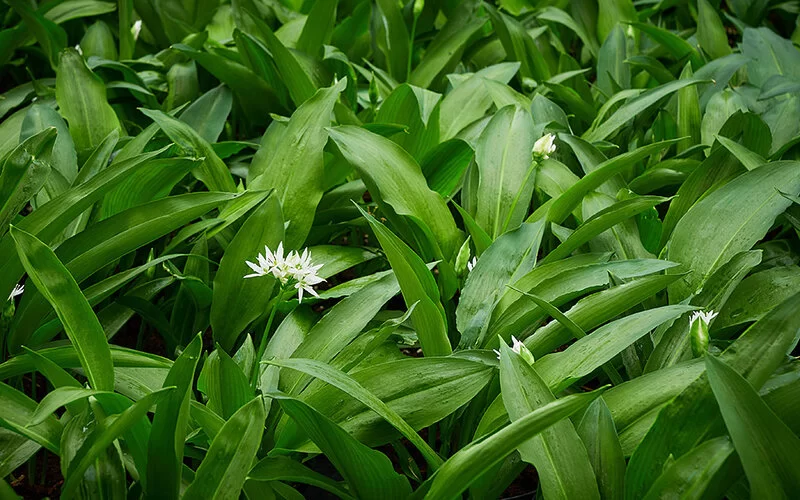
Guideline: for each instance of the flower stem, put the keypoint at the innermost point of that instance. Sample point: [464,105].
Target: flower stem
[262,346]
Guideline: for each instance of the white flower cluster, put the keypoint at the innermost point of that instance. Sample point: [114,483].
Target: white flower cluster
[17,291]
[705,317]
[545,146]
[294,268]
[471,264]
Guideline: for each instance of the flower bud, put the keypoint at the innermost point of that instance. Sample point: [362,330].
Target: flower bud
[698,332]
[462,259]
[544,147]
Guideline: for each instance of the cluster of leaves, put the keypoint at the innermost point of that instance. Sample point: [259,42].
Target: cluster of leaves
[142,168]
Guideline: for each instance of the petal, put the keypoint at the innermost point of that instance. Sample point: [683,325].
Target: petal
[255,267]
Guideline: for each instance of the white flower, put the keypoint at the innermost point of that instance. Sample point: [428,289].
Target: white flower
[705,317]
[545,146]
[295,268]
[471,264]
[136,29]
[79,49]
[17,291]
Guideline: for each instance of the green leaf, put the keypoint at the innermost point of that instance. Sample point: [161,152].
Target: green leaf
[109,240]
[103,436]
[769,450]
[23,174]
[445,49]
[602,221]
[697,473]
[634,108]
[81,97]
[420,390]
[318,28]
[223,471]
[58,286]
[16,411]
[55,399]
[391,38]
[503,156]
[598,433]
[418,287]
[368,472]
[561,369]
[299,189]
[463,468]
[562,206]
[389,171]
[286,469]
[769,54]
[470,100]
[729,220]
[345,383]
[711,34]
[213,172]
[510,257]
[566,473]
[165,447]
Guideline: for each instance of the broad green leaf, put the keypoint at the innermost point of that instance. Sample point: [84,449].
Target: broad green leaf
[24,172]
[81,97]
[299,189]
[256,96]
[757,294]
[602,221]
[769,54]
[213,172]
[110,239]
[418,287]
[391,38]
[368,472]
[598,433]
[470,100]
[340,326]
[505,168]
[16,411]
[103,437]
[711,34]
[420,390]
[458,472]
[573,276]
[286,469]
[318,27]
[562,206]
[558,454]
[223,471]
[445,49]
[693,415]
[696,474]
[674,343]
[561,369]
[613,73]
[729,220]
[768,449]
[519,45]
[165,447]
[57,285]
[634,108]
[510,257]
[393,174]
[345,383]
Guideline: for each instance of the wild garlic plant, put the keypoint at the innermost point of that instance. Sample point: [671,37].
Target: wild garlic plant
[294,270]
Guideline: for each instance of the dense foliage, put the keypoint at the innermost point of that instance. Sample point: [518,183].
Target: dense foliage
[480,240]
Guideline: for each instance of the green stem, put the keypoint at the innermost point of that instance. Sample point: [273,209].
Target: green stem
[262,346]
